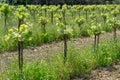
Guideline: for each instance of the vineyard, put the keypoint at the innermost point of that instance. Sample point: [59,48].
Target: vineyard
[57,42]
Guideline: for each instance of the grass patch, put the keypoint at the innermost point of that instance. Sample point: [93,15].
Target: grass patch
[78,63]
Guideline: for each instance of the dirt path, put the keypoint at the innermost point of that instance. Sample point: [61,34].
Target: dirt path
[39,52]
[106,73]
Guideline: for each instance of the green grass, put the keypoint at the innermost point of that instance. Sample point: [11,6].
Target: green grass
[78,63]
[52,34]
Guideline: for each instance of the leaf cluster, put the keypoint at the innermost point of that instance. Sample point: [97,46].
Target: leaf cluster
[80,21]
[21,12]
[22,34]
[43,20]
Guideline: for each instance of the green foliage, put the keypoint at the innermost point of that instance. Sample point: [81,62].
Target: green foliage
[43,70]
[6,9]
[53,8]
[108,53]
[93,8]
[115,12]
[83,31]
[80,21]
[77,64]
[73,9]
[113,22]
[61,14]
[43,20]
[93,17]
[86,8]
[32,8]
[64,8]
[44,37]
[64,29]
[95,29]
[39,71]
[21,12]
[22,34]
[104,16]
[58,17]
[44,7]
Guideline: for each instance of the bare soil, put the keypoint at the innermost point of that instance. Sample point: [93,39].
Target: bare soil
[104,73]
[36,53]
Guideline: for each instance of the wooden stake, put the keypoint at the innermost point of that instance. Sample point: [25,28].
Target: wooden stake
[65,48]
[20,52]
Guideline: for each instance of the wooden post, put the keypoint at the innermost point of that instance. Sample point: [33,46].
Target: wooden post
[5,20]
[20,52]
[65,48]
[21,57]
[115,34]
[43,28]
[45,13]
[98,39]
[95,39]
[115,37]
[52,17]
[63,14]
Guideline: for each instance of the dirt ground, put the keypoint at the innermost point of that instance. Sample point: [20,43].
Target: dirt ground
[104,73]
[36,53]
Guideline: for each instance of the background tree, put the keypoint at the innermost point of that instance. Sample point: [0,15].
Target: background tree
[55,2]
